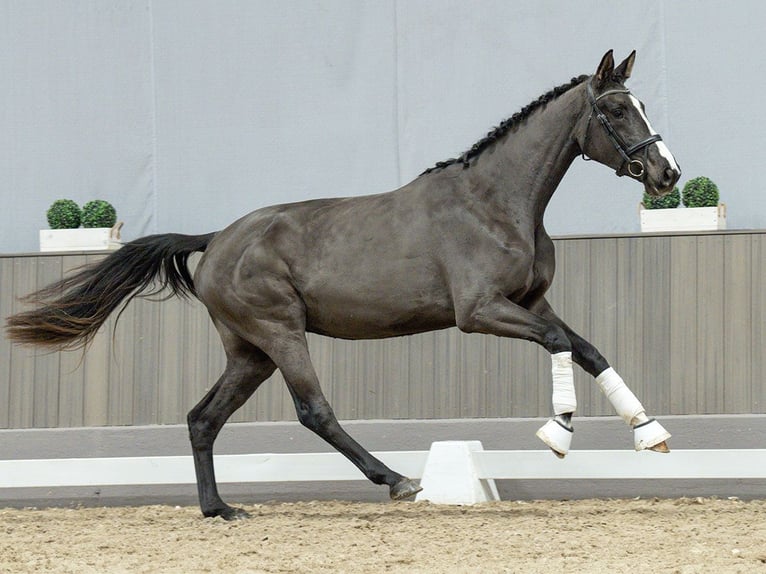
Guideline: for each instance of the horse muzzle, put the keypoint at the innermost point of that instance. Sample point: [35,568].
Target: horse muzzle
[660,181]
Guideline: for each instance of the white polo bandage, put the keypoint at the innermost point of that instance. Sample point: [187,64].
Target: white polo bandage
[564,399]
[622,398]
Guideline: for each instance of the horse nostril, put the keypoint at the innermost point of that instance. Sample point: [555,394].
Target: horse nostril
[668,177]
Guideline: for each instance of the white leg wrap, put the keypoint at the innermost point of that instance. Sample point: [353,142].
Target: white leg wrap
[564,399]
[623,400]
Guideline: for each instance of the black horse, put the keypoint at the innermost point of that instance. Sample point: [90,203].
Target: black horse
[461,245]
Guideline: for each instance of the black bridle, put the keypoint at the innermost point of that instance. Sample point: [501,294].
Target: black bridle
[635,166]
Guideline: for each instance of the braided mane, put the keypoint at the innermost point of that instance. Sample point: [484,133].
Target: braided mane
[506,125]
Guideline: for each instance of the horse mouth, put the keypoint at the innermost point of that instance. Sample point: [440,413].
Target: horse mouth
[663,183]
[660,190]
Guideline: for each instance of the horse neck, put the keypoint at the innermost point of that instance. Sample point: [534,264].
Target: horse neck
[530,161]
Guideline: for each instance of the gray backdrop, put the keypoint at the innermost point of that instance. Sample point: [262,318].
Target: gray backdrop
[186,114]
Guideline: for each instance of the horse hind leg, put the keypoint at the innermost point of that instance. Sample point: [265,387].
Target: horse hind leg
[246,368]
[316,414]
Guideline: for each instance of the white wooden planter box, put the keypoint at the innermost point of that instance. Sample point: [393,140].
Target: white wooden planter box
[83,239]
[683,219]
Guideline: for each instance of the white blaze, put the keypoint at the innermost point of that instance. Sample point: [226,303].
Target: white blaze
[661,147]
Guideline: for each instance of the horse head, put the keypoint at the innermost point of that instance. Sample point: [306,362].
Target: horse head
[615,131]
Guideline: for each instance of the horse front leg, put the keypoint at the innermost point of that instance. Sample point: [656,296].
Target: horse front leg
[497,315]
[557,432]
[648,433]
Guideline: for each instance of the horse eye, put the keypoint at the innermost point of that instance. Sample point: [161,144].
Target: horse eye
[617,113]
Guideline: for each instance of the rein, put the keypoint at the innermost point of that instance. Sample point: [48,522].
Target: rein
[635,166]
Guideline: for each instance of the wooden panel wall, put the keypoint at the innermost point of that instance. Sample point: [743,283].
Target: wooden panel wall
[682,318]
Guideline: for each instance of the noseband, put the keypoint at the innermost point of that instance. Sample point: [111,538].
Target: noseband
[635,166]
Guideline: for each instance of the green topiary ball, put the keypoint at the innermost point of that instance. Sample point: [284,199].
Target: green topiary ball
[64,214]
[98,213]
[700,192]
[669,201]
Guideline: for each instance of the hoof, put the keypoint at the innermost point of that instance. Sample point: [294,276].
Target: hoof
[405,488]
[557,453]
[661,447]
[651,435]
[556,436]
[227,513]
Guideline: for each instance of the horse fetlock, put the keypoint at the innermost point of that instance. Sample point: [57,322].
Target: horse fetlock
[622,398]
[565,419]
[639,419]
[379,474]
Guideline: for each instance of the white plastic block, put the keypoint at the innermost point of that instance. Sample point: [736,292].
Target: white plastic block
[450,475]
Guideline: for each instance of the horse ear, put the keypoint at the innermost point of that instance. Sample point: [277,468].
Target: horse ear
[623,71]
[605,69]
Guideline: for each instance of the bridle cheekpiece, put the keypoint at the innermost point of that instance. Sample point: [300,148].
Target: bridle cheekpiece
[635,167]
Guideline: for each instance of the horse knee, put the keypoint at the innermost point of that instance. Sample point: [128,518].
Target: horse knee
[555,340]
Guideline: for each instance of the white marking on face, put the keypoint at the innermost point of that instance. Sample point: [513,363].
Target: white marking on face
[661,147]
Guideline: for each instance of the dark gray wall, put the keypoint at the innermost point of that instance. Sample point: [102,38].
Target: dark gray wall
[187,114]
[682,318]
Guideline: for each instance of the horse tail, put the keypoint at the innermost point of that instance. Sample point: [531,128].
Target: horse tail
[69,312]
